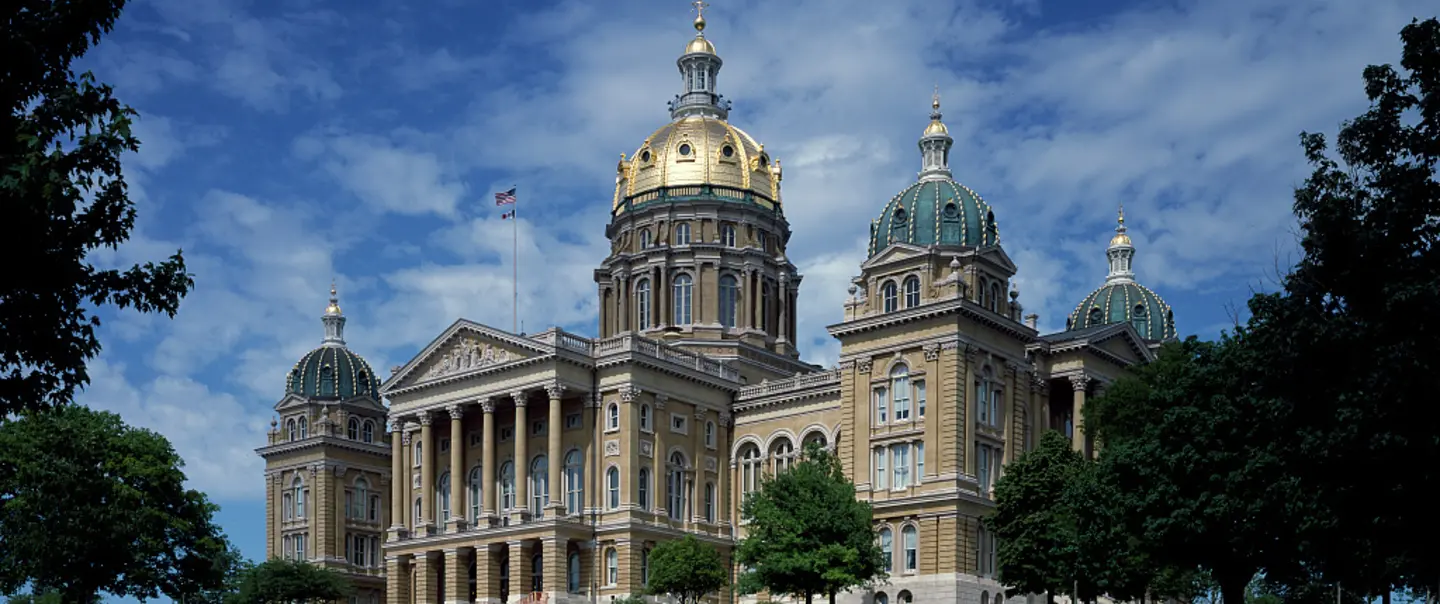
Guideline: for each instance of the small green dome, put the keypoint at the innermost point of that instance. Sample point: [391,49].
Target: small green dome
[332,372]
[1126,302]
[935,212]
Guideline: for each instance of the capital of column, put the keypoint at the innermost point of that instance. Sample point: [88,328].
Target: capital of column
[488,405]
[456,411]
[971,352]
[932,352]
[1079,382]
[628,394]
[660,400]
[396,423]
[424,418]
[1037,383]
[519,397]
[554,390]
[405,437]
[726,419]
[700,414]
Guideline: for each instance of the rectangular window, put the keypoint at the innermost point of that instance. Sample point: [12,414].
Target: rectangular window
[901,463]
[350,505]
[880,478]
[444,445]
[300,546]
[982,407]
[996,399]
[882,403]
[572,421]
[920,398]
[474,439]
[537,427]
[506,433]
[374,513]
[987,461]
[677,423]
[902,399]
[919,462]
[374,552]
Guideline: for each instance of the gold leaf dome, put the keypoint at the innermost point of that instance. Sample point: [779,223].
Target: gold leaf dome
[694,151]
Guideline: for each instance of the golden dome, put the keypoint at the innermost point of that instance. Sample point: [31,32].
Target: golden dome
[936,127]
[698,150]
[1120,239]
[700,44]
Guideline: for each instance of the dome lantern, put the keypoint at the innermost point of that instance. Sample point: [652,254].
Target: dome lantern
[1120,253]
[332,371]
[935,145]
[1123,300]
[699,66]
[334,321]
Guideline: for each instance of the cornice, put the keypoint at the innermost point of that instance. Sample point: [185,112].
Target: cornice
[932,310]
[473,373]
[625,357]
[315,442]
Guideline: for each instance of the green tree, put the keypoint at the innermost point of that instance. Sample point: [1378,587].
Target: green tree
[63,194]
[807,534]
[1033,523]
[92,506]
[687,570]
[279,581]
[1366,283]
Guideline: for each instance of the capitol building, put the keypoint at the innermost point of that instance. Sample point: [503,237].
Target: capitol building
[502,467]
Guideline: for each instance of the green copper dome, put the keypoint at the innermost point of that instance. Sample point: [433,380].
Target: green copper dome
[332,372]
[1126,302]
[935,212]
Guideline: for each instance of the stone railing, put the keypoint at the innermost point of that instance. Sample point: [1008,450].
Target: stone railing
[656,350]
[565,340]
[799,382]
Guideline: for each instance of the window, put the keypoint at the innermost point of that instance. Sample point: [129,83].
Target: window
[677,424]
[880,477]
[506,478]
[612,485]
[574,482]
[356,499]
[477,477]
[352,429]
[709,434]
[418,519]
[984,597]
[919,462]
[682,230]
[901,465]
[644,238]
[304,428]
[374,508]
[645,566]
[783,454]
[762,240]
[675,481]
[643,489]
[887,548]
[985,554]
[888,296]
[539,485]
[297,490]
[287,550]
[506,433]
[900,389]
[709,502]
[444,445]
[299,541]
[727,235]
[358,546]
[367,431]
[815,438]
[572,421]
[612,417]
[987,462]
[612,567]
[749,468]
[642,304]
[682,299]
[912,292]
[645,417]
[910,539]
[572,573]
[987,399]
[882,407]
[920,398]
[416,457]
[729,300]
[287,504]
[292,429]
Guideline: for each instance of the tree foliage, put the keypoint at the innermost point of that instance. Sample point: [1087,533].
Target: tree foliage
[687,570]
[279,581]
[1035,528]
[61,140]
[89,505]
[807,534]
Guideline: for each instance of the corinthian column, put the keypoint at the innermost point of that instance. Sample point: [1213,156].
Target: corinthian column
[557,479]
[522,462]
[397,477]
[457,468]
[427,475]
[1077,440]
[487,459]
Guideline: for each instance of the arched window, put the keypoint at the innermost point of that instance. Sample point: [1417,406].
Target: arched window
[676,485]
[539,485]
[950,225]
[572,573]
[710,434]
[709,502]
[612,485]
[682,234]
[984,597]
[889,296]
[1141,321]
[418,509]
[900,392]
[645,566]
[612,567]
[477,479]
[291,429]
[417,456]
[304,428]
[367,431]
[442,497]
[727,235]
[911,540]
[912,292]
[816,438]
[506,478]
[729,300]
[783,453]
[327,381]
[612,417]
[904,597]
[682,299]
[749,468]
[1096,318]
[643,489]
[996,300]
[642,304]
[297,495]
[645,417]
[887,548]
[881,599]
[352,429]
[644,238]
[574,482]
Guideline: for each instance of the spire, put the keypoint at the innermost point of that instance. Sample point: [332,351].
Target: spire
[1120,253]
[334,321]
[935,144]
[698,67]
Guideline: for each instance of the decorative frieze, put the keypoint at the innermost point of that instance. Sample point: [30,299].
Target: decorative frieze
[612,448]
[711,463]
[467,354]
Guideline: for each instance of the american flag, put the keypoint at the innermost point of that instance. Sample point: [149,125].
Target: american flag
[505,198]
[508,215]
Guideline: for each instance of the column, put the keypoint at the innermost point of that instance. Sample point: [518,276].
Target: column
[519,569]
[397,477]
[407,482]
[660,472]
[752,298]
[487,574]
[967,428]
[702,474]
[323,503]
[397,580]
[427,584]
[722,450]
[457,572]
[487,460]
[555,565]
[594,464]
[622,289]
[553,432]
[457,469]
[427,475]
[782,328]
[522,462]
[1079,383]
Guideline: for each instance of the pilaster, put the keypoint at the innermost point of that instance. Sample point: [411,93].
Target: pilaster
[519,568]
[323,502]
[969,401]
[397,580]
[427,577]
[457,572]
[555,553]
[397,479]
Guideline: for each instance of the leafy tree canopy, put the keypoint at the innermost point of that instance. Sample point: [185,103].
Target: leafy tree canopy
[61,140]
[686,570]
[91,506]
[807,534]
[1035,529]
[279,581]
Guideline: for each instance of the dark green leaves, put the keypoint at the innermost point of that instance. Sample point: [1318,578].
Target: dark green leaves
[686,570]
[278,581]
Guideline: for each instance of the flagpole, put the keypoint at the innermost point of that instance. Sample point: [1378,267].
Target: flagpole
[515,262]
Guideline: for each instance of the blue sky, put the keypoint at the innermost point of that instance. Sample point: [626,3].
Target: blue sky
[289,143]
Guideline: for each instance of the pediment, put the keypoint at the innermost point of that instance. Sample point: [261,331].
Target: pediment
[1121,340]
[997,255]
[894,253]
[462,348]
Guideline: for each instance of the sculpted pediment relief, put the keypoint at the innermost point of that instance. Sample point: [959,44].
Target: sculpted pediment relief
[462,353]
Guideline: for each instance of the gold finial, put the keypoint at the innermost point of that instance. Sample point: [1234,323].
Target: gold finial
[700,15]
[334,307]
[1122,214]
[935,100]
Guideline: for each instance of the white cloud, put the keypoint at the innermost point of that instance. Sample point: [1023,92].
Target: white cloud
[387,176]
